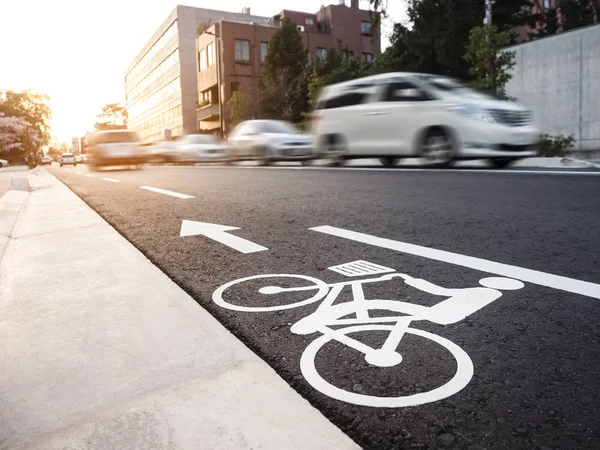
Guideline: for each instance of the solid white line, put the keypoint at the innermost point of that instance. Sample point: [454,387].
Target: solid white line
[532,276]
[112,180]
[164,191]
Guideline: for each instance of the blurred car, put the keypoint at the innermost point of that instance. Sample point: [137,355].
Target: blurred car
[84,158]
[270,140]
[398,115]
[78,159]
[163,152]
[196,148]
[67,159]
[116,148]
[46,160]
[3,163]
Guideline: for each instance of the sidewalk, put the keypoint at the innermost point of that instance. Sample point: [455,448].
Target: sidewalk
[99,349]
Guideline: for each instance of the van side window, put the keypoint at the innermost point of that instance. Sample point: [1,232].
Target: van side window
[404,91]
[347,99]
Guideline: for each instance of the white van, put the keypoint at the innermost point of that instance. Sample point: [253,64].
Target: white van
[398,115]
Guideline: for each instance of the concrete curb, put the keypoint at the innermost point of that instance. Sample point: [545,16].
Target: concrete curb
[102,350]
[11,205]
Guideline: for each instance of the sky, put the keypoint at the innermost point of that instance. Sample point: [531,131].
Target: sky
[76,51]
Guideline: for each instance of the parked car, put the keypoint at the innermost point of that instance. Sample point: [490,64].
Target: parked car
[398,115]
[67,159]
[3,163]
[116,148]
[195,148]
[270,140]
[46,160]
[78,159]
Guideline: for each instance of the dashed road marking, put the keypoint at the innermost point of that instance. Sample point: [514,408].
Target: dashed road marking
[165,192]
[112,180]
[89,175]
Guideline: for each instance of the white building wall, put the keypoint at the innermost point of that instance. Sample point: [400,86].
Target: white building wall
[558,77]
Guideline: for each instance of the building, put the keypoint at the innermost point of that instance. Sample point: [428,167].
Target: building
[231,53]
[541,7]
[161,88]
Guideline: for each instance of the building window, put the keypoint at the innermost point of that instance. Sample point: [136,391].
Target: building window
[321,53]
[301,28]
[264,48]
[202,59]
[210,53]
[546,4]
[367,57]
[308,22]
[366,27]
[235,86]
[242,50]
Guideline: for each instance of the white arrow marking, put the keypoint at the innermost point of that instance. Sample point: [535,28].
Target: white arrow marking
[532,276]
[219,233]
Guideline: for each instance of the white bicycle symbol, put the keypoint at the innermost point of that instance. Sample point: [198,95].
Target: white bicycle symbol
[459,304]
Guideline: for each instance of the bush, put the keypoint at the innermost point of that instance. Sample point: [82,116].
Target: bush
[555,145]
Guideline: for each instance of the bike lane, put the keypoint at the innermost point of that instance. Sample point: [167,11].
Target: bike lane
[531,381]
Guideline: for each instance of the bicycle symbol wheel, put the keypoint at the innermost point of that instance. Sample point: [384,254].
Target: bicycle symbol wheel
[320,286]
[461,378]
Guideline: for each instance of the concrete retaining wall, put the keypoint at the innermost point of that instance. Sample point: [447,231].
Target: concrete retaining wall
[558,77]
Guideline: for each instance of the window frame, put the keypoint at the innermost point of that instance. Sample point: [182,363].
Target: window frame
[241,42]
[263,55]
[368,30]
[210,55]
[202,60]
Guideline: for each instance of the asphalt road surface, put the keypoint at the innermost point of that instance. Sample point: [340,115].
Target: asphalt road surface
[478,328]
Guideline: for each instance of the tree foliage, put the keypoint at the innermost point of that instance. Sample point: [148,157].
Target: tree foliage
[336,67]
[25,124]
[283,88]
[112,116]
[489,65]
[576,14]
[240,109]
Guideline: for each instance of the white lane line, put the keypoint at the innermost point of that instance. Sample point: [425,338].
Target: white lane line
[89,175]
[112,180]
[532,276]
[164,191]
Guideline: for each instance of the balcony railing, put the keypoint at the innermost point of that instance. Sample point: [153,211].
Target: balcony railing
[208,112]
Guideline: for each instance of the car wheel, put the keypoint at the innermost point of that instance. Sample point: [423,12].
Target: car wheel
[307,162]
[437,148]
[334,150]
[501,163]
[389,162]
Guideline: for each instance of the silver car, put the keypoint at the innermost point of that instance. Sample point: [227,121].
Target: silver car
[270,140]
[195,148]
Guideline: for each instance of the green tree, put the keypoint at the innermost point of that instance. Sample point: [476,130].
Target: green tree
[489,65]
[283,87]
[112,116]
[240,108]
[336,67]
[547,24]
[576,13]
[32,108]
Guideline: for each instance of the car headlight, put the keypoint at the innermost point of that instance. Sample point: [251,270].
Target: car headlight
[473,112]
